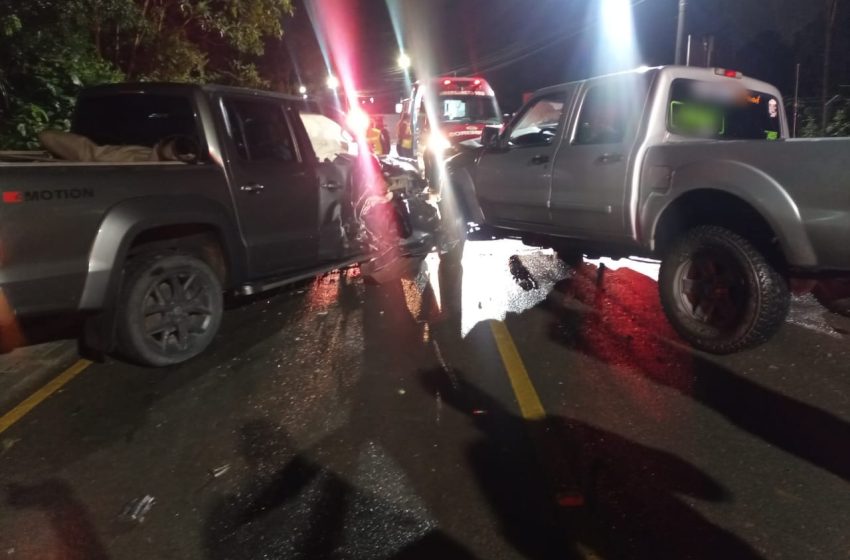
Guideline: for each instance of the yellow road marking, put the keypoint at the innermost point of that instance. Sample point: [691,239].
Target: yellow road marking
[556,465]
[9,419]
[529,402]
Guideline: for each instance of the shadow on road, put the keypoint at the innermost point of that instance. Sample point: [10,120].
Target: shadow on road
[366,489]
[634,496]
[75,535]
[622,324]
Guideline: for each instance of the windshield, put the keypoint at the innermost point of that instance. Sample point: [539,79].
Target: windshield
[722,111]
[328,138]
[468,108]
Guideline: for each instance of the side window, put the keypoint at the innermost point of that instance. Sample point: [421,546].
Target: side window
[259,130]
[604,115]
[540,123]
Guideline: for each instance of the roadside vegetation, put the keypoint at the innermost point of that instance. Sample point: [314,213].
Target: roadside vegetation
[52,48]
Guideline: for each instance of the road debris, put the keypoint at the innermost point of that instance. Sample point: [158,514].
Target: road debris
[220,471]
[7,444]
[570,499]
[137,509]
[522,276]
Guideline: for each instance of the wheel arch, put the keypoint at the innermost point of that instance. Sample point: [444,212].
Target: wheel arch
[777,230]
[462,185]
[729,180]
[160,222]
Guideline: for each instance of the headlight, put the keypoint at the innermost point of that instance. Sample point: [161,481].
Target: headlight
[438,143]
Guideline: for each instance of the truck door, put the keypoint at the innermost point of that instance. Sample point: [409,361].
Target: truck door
[513,180]
[275,188]
[589,190]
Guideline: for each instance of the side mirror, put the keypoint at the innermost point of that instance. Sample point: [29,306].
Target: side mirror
[506,118]
[490,136]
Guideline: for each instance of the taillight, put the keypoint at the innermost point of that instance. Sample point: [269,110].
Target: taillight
[728,73]
[447,82]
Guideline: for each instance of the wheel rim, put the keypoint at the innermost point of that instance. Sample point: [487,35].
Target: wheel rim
[177,311]
[712,289]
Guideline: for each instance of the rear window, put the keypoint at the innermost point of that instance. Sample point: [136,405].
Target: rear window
[134,119]
[722,111]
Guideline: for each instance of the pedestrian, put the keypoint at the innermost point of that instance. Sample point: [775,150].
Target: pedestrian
[405,137]
[373,138]
[386,143]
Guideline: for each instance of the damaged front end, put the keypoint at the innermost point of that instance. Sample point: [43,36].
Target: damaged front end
[397,219]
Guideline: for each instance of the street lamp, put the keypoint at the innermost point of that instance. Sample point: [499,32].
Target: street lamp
[404,61]
[680,30]
[333,82]
[302,90]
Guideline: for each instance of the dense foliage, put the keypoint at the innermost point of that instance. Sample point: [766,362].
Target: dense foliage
[52,48]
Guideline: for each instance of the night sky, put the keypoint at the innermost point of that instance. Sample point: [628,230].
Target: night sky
[522,45]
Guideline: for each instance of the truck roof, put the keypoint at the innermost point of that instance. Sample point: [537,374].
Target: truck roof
[672,72]
[177,88]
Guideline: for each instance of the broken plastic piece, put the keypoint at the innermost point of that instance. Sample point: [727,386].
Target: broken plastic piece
[220,471]
[138,508]
[521,274]
[570,499]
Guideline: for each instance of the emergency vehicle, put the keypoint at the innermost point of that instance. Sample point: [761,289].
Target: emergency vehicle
[460,109]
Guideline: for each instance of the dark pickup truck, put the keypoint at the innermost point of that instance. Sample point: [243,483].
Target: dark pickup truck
[144,250]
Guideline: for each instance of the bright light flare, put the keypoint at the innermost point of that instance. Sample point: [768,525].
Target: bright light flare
[438,143]
[333,82]
[302,90]
[358,121]
[404,61]
[617,49]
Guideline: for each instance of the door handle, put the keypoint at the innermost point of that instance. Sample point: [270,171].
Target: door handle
[252,188]
[540,158]
[610,158]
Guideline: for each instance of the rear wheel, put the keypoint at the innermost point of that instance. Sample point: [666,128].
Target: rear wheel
[720,293]
[171,308]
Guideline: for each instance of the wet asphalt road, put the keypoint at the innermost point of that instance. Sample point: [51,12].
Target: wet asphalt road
[340,420]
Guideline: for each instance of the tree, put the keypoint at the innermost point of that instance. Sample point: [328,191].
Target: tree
[48,56]
[52,48]
[189,40]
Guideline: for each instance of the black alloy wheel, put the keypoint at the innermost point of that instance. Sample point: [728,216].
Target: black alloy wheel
[171,311]
[720,293]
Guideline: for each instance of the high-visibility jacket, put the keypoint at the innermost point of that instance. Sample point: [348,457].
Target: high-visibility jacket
[405,135]
[373,137]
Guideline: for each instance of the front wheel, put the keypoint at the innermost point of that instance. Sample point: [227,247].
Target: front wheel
[170,310]
[720,293]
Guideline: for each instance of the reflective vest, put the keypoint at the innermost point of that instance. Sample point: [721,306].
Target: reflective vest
[405,136]
[373,137]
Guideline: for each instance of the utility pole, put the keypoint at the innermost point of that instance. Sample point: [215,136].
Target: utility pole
[831,12]
[680,30]
[796,102]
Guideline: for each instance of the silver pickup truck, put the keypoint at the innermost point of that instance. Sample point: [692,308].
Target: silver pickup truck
[689,165]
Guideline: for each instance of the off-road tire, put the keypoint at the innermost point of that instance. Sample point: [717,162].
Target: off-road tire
[133,320]
[763,295]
